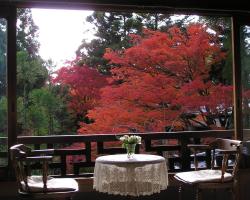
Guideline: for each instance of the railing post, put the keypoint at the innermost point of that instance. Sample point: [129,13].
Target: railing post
[37,146]
[88,151]
[208,158]
[50,146]
[185,153]
[100,147]
[63,165]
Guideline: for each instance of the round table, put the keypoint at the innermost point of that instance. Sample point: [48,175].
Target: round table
[141,175]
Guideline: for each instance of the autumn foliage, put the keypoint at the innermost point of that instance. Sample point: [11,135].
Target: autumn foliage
[83,84]
[152,83]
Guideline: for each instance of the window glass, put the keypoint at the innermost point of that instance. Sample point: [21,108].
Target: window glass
[3,98]
[128,72]
[245,76]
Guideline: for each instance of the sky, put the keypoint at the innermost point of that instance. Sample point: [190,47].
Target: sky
[61,32]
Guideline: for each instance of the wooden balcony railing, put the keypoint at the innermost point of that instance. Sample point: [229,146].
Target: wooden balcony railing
[172,145]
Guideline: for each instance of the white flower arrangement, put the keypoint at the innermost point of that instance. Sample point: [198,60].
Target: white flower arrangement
[132,139]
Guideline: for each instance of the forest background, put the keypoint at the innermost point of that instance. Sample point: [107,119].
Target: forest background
[142,73]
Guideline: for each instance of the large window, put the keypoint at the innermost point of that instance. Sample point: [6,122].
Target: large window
[245,75]
[137,72]
[3,88]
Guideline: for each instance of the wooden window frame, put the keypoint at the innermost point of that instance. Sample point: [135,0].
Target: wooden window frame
[9,13]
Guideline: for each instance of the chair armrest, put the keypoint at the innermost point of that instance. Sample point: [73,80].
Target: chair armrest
[38,158]
[43,151]
[198,146]
[227,151]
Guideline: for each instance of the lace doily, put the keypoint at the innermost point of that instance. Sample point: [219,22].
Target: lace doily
[142,175]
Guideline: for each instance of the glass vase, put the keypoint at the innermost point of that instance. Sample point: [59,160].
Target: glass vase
[130,150]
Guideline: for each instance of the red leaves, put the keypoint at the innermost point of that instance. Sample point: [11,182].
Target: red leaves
[152,83]
[83,84]
[186,55]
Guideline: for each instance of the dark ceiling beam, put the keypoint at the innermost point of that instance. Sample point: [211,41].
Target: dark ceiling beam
[145,5]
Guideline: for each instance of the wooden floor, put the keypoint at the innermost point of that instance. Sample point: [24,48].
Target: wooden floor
[8,192]
[170,194]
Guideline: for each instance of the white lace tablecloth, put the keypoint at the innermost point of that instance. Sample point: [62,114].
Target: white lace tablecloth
[142,175]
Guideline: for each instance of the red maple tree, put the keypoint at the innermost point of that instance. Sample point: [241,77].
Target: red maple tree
[83,84]
[162,76]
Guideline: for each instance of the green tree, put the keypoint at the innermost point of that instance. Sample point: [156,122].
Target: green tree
[222,27]
[3,86]
[31,74]
[245,56]
[40,106]
[159,21]
[27,41]
[3,127]
[41,110]
[44,101]
[3,116]
[3,50]
[27,33]
[43,113]
[112,31]
[245,73]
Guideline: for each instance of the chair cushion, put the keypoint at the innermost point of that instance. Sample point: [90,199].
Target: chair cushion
[201,176]
[35,184]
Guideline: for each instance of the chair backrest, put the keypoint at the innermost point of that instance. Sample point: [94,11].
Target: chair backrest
[227,148]
[227,144]
[39,186]
[17,155]
[21,157]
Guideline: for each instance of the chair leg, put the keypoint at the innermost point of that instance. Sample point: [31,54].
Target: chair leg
[215,194]
[235,194]
[198,194]
[180,192]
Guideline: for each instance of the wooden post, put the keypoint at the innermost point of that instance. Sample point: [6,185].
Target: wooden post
[185,153]
[11,81]
[238,134]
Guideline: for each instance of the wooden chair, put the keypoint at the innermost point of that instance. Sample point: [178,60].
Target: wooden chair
[217,177]
[39,187]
